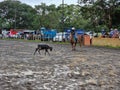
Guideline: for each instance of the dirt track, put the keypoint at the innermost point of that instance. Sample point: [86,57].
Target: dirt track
[87,68]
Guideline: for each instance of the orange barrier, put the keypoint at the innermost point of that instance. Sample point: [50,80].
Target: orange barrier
[87,40]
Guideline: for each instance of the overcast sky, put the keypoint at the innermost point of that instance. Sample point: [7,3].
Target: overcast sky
[48,2]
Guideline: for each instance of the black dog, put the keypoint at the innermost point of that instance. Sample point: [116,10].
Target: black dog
[43,47]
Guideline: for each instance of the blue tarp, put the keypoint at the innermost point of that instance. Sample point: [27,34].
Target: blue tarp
[78,31]
[48,33]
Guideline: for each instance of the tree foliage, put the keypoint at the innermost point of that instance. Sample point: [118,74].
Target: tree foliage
[88,15]
[16,14]
[101,12]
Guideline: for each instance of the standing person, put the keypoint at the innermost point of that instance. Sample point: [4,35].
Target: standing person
[111,33]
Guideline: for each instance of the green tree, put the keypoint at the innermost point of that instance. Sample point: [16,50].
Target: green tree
[18,15]
[48,15]
[100,12]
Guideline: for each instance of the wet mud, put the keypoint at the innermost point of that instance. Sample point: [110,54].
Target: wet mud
[87,68]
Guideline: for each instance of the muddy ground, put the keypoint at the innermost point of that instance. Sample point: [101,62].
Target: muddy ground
[87,68]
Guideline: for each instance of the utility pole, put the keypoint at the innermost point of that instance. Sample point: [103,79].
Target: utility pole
[62,15]
[15,18]
[62,18]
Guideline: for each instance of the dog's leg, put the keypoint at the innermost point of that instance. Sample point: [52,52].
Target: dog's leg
[39,50]
[36,50]
[46,51]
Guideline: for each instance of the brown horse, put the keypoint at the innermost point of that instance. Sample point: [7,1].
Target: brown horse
[73,41]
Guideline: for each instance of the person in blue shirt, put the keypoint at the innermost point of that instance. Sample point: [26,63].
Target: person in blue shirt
[73,32]
[111,33]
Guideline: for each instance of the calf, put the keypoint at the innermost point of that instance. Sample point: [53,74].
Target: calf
[43,47]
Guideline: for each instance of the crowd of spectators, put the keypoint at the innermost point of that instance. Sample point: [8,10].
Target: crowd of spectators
[113,33]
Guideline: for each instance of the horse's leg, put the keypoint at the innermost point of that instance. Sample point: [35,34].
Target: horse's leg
[73,46]
[73,42]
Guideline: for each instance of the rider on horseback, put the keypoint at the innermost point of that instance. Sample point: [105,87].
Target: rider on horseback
[74,38]
[74,33]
